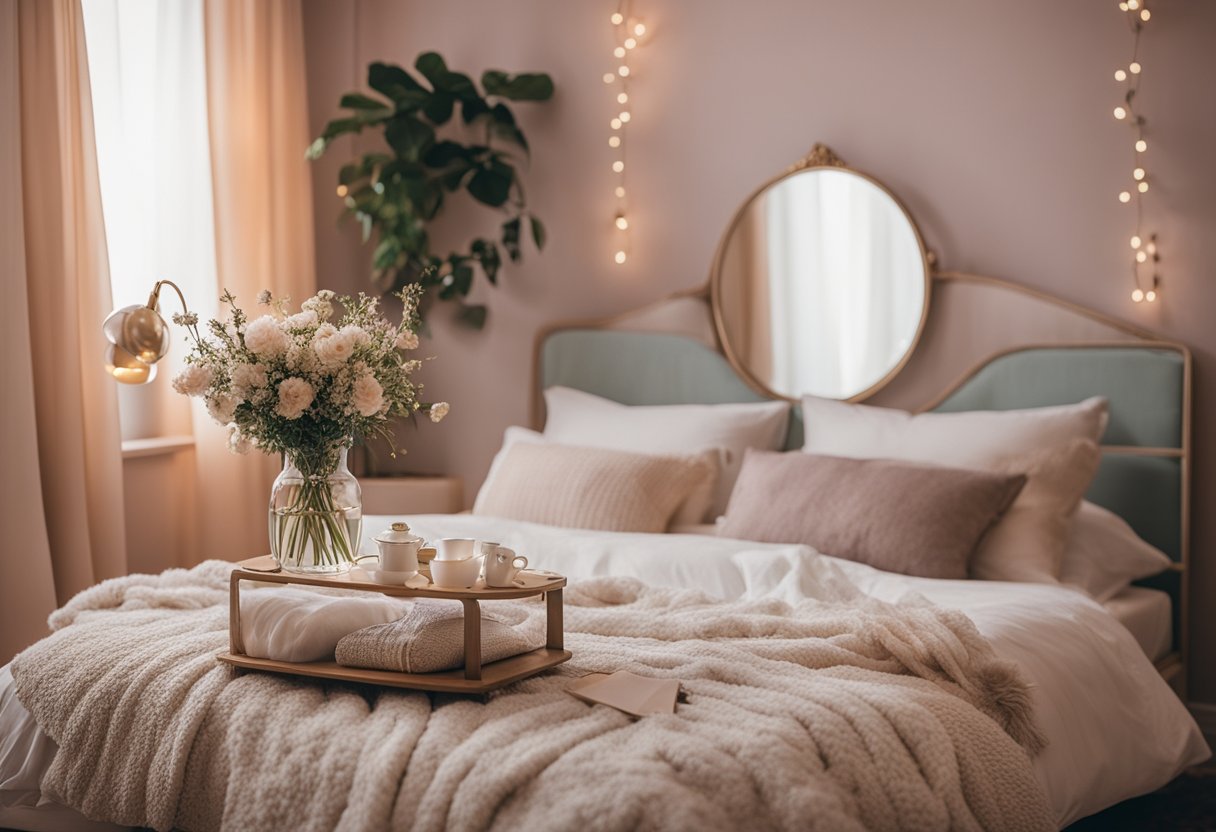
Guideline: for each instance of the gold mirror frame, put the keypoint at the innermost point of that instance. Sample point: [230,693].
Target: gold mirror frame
[820,157]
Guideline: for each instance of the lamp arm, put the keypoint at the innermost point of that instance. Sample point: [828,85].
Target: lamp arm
[154,298]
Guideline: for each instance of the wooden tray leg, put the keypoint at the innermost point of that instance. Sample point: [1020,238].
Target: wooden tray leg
[472,638]
[553,617]
[235,643]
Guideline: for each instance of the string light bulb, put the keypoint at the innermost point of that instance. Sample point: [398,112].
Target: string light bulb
[626,32]
[1144,247]
[343,190]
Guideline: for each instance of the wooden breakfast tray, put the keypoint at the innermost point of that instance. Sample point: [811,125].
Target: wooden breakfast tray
[474,678]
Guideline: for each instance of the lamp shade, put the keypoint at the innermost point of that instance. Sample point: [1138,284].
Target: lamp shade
[126,368]
[139,330]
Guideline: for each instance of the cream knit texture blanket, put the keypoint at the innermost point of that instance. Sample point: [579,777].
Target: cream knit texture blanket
[829,715]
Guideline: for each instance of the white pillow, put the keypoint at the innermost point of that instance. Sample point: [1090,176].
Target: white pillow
[691,512]
[1104,555]
[299,625]
[578,418]
[973,439]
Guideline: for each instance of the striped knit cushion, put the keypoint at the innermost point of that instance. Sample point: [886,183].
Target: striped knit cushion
[591,488]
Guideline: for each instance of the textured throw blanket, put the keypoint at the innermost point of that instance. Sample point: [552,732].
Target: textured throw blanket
[831,715]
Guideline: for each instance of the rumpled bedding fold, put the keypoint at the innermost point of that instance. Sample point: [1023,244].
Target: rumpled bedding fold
[827,714]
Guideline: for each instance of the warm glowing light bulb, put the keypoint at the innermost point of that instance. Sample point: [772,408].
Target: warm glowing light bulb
[1137,295]
[1151,248]
[615,124]
[1136,242]
[625,117]
[609,77]
[630,43]
[639,29]
[620,191]
[1141,146]
[1141,256]
[1120,75]
[1142,187]
[1124,196]
[1150,296]
[614,141]
[618,166]
[622,98]
[1120,113]
[342,190]
[1138,174]
[623,71]
[617,18]
[1134,67]
[1145,14]
[1123,7]
[621,222]
[1133,4]
[619,52]
[619,257]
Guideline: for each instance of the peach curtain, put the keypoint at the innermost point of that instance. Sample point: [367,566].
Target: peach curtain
[62,508]
[262,193]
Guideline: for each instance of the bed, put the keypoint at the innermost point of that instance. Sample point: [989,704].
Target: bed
[1096,675]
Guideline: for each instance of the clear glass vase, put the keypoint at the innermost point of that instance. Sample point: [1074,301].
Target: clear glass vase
[316,515]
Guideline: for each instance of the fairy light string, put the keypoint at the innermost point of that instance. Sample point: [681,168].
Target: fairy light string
[627,34]
[1145,257]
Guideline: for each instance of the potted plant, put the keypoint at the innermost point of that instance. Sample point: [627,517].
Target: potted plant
[397,191]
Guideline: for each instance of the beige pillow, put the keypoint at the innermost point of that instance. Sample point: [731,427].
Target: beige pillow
[428,639]
[1028,543]
[905,517]
[591,488]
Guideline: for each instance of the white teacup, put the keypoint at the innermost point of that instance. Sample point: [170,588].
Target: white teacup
[454,548]
[456,574]
[502,565]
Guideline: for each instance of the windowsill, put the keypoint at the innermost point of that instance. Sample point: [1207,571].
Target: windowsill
[156,446]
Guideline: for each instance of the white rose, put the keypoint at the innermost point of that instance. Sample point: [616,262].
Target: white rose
[238,443]
[193,380]
[222,407]
[301,320]
[357,335]
[407,341]
[335,350]
[264,338]
[439,410]
[295,395]
[367,395]
[320,303]
[247,379]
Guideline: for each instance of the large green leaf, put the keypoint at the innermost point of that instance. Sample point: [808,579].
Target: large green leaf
[443,153]
[471,108]
[438,107]
[395,82]
[510,239]
[529,86]
[409,137]
[491,185]
[487,254]
[433,68]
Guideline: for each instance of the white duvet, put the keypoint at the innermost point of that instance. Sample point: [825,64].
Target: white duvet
[1114,728]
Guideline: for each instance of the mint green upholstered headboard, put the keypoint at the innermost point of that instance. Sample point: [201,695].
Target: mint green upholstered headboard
[1142,476]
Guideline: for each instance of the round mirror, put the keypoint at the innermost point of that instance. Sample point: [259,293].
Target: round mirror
[821,283]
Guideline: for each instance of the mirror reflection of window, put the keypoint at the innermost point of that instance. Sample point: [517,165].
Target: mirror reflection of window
[822,284]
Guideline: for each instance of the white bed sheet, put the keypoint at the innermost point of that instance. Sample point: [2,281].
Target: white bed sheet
[1148,616]
[1115,729]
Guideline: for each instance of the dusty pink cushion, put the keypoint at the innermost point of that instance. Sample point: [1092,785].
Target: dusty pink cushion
[906,517]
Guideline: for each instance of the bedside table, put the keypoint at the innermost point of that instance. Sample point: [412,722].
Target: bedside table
[412,495]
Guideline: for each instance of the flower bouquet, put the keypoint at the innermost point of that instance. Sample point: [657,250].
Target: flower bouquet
[305,386]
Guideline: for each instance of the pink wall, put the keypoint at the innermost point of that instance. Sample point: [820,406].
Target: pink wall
[992,121]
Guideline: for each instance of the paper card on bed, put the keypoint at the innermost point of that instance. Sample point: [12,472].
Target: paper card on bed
[628,692]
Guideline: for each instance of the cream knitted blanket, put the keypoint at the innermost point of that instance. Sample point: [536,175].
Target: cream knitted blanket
[829,715]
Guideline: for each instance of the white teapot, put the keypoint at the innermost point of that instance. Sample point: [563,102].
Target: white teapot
[399,550]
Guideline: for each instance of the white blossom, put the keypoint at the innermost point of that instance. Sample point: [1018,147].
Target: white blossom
[301,320]
[335,350]
[407,341]
[247,379]
[222,407]
[193,380]
[264,338]
[367,395]
[439,410]
[295,396]
[357,334]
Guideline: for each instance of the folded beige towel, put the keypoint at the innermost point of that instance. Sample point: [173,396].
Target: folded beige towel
[430,638]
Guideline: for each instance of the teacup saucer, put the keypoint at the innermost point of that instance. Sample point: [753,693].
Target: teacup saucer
[381,576]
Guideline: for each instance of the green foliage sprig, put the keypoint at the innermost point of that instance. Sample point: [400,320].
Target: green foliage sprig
[394,195]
